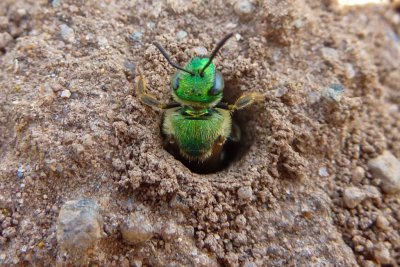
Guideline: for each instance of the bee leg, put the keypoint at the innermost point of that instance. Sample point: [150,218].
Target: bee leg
[235,133]
[145,97]
[246,100]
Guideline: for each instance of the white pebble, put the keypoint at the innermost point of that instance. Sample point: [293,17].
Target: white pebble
[244,9]
[66,94]
[330,54]
[350,72]
[136,36]
[357,174]
[102,42]
[353,196]
[200,51]
[181,35]
[67,33]
[245,193]
[323,172]
[387,168]
[333,93]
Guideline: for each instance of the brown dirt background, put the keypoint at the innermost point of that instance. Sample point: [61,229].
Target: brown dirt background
[102,143]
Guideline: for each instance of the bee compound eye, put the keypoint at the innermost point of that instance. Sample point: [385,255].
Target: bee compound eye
[175,82]
[218,85]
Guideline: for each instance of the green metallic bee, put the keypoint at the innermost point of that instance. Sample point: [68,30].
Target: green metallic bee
[197,127]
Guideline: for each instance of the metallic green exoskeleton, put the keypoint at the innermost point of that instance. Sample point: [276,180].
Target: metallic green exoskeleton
[197,126]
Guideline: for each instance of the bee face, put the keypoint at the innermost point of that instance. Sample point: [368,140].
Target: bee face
[198,88]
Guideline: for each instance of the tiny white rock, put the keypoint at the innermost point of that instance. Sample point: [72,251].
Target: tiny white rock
[245,193]
[353,196]
[387,168]
[350,72]
[330,54]
[181,35]
[102,42]
[323,172]
[200,51]
[67,33]
[357,174]
[66,94]
[244,9]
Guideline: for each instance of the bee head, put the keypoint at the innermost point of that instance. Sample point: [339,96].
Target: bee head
[198,84]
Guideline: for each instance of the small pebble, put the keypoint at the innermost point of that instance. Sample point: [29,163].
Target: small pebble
[323,172]
[129,66]
[330,54]
[56,3]
[9,232]
[231,25]
[313,97]
[240,221]
[245,193]
[350,72]
[169,231]
[20,172]
[200,51]
[137,228]
[333,93]
[382,222]
[67,33]
[281,91]
[79,226]
[382,254]
[137,263]
[136,36]
[181,35]
[353,196]
[102,42]
[65,94]
[238,36]
[5,39]
[357,174]
[387,168]
[298,23]
[244,9]
[151,25]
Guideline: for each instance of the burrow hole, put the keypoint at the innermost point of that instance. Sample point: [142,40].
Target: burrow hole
[233,150]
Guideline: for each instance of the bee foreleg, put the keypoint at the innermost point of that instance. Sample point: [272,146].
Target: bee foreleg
[246,100]
[146,97]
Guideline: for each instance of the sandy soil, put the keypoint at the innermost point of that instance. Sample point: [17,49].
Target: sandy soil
[71,126]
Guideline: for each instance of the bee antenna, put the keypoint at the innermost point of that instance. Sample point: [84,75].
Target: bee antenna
[215,51]
[165,54]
